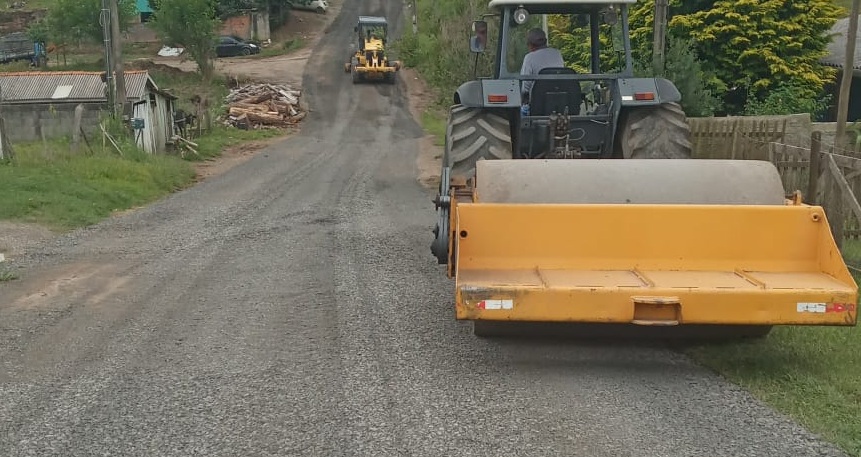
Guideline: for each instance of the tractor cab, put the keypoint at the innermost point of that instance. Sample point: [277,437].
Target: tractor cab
[564,111]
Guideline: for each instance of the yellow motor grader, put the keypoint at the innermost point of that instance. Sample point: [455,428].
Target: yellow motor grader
[370,61]
[588,207]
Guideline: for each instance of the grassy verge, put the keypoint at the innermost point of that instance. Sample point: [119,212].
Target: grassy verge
[213,143]
[283,48]
[812,374]
[433,121]
[48,185]
[8,276]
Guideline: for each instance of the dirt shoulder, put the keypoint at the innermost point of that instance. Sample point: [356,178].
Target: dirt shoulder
[303,27]
[421,98]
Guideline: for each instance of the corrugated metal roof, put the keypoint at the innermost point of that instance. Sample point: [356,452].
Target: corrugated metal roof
[67,85]
[837,47]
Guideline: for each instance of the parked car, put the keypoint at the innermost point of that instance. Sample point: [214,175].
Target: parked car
[230,46]
[319,6]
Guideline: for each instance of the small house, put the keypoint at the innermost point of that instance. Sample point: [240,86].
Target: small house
[41,105]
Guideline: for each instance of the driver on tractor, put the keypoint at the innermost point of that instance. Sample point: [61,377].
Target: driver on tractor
[539,57]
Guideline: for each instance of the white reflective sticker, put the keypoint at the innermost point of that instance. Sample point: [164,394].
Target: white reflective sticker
[496,304]
[811,307]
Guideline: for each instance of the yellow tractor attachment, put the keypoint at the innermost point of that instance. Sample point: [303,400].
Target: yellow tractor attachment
[649,242]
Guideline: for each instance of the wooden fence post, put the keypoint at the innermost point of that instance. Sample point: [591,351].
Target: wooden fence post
[815,167]
[833,199]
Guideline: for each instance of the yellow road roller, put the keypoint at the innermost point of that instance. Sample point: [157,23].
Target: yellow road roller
[588,208]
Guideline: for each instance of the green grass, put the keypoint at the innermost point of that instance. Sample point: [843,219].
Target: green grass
[283,48]
[48,185]
[8,276]
[433,121]
[812,374]
[212,144]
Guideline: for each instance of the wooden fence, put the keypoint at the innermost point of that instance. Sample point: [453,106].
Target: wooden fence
[824,175]
[735,138]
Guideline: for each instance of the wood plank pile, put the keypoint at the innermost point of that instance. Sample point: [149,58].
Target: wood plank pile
[255,105]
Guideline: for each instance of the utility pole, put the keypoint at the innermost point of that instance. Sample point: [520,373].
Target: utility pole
[117,43]
[104,20]
[846,82]
[416,16]
[660,35]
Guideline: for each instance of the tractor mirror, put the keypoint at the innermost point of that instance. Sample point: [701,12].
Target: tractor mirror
[478,42]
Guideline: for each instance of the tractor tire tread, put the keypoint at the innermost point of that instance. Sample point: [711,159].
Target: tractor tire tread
[474,134]
[656,132]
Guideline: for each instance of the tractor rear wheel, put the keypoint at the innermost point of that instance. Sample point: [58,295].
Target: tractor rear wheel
[474,134]
[655,132]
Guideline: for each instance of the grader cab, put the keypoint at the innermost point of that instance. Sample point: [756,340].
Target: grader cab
[370,61]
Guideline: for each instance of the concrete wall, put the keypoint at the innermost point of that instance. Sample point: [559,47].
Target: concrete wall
[250,26]
[261,27]
[829,135]
[30,122]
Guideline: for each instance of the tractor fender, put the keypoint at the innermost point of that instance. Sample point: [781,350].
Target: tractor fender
[489,93]
[469,94]
[634,91]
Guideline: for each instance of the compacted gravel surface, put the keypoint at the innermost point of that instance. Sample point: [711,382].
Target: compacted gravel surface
[292,307]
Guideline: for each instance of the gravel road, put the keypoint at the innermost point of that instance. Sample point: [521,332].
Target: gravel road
[292,307]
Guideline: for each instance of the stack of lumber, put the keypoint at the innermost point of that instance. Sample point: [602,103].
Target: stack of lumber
[274,105]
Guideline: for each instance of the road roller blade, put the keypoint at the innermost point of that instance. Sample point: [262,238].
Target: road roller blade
[659,243]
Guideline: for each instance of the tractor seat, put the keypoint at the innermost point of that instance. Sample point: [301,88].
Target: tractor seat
[548,96]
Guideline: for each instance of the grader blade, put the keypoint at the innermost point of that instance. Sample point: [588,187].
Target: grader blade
[648,242]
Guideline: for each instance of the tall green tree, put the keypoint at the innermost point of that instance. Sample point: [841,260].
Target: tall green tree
[192,24]
[756,46]
[79,21]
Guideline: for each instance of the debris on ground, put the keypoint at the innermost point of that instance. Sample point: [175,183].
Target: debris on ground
[167,51]
[255,105]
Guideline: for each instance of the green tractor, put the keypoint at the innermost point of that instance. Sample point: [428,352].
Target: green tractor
[594,115]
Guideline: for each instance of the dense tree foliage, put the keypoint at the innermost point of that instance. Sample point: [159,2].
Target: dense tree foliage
[192,24]
[758,46]
[78,21]
[726,56]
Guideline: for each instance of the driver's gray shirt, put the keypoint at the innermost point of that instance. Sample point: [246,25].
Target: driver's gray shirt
[536,61]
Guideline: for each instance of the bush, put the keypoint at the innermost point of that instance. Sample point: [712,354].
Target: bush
[787,99]
[700,88]
[440,50]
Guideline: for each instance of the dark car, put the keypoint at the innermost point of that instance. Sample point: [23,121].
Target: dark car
[229,46]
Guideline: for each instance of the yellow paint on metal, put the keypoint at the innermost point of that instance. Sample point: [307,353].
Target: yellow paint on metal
[650,264]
